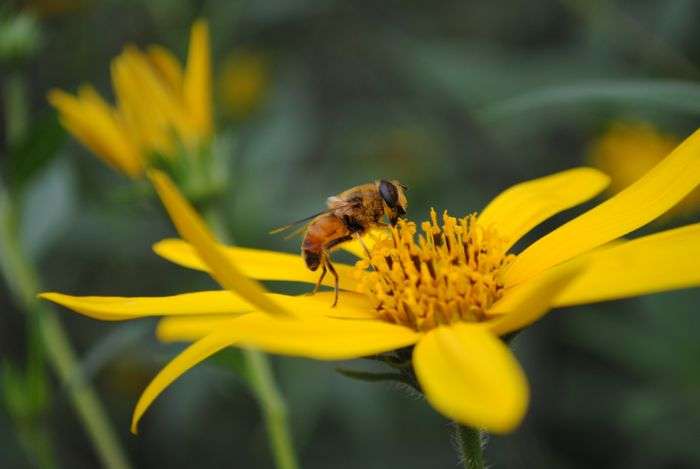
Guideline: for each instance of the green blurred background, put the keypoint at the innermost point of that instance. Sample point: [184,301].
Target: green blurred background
[458,100]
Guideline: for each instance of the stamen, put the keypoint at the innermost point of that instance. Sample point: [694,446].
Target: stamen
[445,274]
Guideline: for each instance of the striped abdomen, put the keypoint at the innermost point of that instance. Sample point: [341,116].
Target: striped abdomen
[322,234]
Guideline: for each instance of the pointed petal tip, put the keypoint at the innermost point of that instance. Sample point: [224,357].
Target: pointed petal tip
[188,358]
[159,247]
[54,297]
[55,95]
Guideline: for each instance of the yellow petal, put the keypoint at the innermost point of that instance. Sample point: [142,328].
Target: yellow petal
[92,122]
[350,306]
[206,303]
[471,377]
[191,356]
[116,308]
[318,337]
[524,304]
[104,122]
[168,67]
[655,263]
[197,85]
[193,229]
[189,329]
[149,105]
[648,198]
[143,118]
[256,263]
[522,207]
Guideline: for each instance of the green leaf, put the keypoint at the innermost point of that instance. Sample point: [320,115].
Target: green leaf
[48,207]
[42,142]
[24,395]
[13,390]
[20,36]
[669,95]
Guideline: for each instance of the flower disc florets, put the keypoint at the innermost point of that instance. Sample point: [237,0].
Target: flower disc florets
[445,274]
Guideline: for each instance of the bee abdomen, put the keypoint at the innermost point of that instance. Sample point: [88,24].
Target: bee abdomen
[312,259]
[312,247]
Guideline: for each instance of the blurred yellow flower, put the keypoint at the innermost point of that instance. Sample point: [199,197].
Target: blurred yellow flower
[242,82]
[627,150]
[448,295]
[159,108]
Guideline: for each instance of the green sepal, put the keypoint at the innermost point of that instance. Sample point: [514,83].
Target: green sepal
[374,377]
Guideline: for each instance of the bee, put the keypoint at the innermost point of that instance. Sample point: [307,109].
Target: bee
[348,216]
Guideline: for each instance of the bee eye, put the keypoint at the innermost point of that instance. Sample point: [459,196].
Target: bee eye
[389,193]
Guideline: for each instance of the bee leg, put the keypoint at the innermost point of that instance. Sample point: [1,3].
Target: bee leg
[358,237]
[337,280]
[320,279]
[367,253]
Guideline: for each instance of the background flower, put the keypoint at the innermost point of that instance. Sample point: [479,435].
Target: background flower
[243,82]
[161,110]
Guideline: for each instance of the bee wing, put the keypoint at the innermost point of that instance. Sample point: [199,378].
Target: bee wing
[298,232]
[305,221]
[341,206]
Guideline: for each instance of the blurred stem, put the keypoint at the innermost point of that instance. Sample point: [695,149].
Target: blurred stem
[263,383]
[470,447]
[23,281]
[261,379]
[16,112]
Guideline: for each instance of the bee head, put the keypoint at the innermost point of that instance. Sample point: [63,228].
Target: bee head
[394,195]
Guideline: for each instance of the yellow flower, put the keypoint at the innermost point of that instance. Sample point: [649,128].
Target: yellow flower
[451,293]
[243,81]
[159,108]
[627,150]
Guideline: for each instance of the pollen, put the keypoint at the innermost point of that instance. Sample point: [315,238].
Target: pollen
[446,273]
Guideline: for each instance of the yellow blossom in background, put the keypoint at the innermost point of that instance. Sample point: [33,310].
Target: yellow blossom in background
[627,150]
[160,108]
[242,82]
[448,291]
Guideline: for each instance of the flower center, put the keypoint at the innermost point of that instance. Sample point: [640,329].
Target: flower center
[445,274]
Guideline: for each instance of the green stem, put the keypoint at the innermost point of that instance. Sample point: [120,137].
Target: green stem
[261,379]
[273,406]
[16,112]
[470,446]
[23,281]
